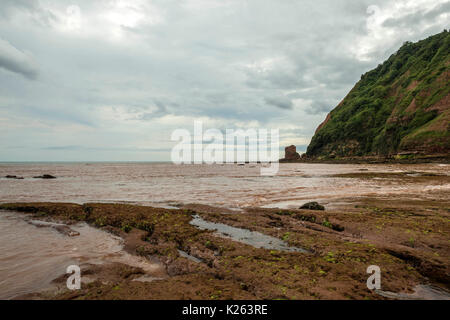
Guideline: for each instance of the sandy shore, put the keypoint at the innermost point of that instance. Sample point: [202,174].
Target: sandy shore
[408,240]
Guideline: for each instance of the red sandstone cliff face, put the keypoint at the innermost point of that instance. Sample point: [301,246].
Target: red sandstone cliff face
[323,123]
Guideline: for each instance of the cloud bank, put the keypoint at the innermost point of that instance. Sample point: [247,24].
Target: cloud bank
[17,61]
[115,77]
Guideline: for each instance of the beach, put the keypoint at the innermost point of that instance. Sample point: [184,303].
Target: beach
[225,232]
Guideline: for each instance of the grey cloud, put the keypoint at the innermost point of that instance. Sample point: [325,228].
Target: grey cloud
[279,102]
[63,148]
[321,106]
[197,62]
[10,7]
[276,80]
[160,111]
[97,148]
[17,61]
[424,16]
[38,15]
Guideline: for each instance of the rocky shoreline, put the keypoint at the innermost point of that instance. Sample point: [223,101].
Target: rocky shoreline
[444,159]
[292,156]
[408,240]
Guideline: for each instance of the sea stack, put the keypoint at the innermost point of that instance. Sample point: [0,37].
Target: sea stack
[290,154]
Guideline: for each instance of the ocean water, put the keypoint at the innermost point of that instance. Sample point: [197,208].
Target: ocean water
[227,185]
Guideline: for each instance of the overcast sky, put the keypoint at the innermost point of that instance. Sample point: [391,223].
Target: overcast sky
[111,79]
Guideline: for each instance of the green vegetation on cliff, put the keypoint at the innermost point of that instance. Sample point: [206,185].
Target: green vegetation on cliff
[401,106]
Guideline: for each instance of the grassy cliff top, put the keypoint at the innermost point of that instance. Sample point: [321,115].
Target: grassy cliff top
[401,106]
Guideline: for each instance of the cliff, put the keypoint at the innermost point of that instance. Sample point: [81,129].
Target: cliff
[400,108]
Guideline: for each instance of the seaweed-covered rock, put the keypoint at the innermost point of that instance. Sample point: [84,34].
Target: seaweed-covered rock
[312,206]
[45,176]
[13,177]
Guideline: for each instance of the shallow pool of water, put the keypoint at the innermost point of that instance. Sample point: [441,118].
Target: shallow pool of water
[33,253]
[253,238]
[421,292]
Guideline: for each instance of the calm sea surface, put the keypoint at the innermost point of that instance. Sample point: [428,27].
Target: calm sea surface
[227,185]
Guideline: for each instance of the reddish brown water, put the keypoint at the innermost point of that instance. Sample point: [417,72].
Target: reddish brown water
[221,185]
[30,257]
